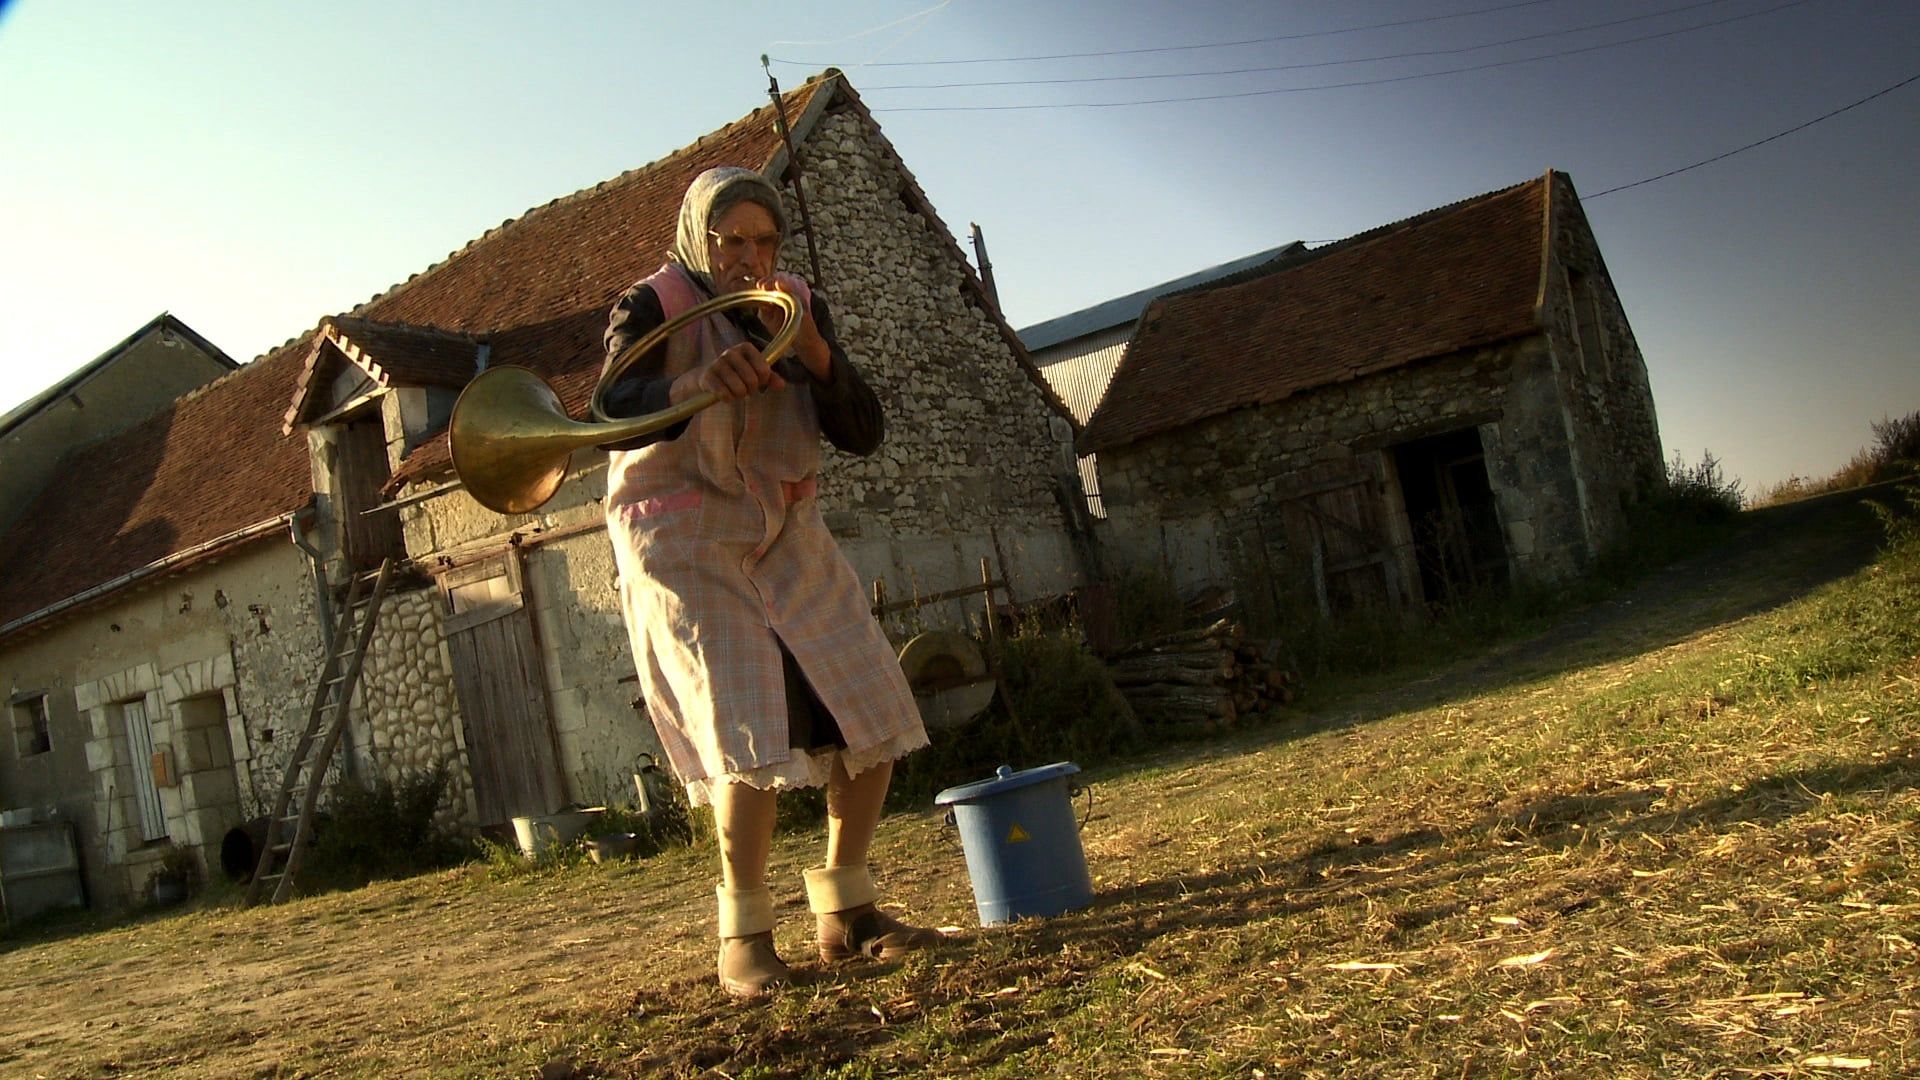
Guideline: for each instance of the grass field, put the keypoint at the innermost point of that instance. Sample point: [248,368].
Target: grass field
[1677,834]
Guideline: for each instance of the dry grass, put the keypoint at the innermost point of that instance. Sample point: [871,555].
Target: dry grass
[1657,843]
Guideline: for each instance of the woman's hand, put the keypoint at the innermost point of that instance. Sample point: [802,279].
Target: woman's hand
[739,372]
[809,345]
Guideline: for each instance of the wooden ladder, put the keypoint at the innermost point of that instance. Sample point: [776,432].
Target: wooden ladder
[307,765]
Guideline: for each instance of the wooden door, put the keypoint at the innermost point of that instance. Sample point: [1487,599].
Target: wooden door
[1336,530]
[364,471]
[502,691]
[146,793]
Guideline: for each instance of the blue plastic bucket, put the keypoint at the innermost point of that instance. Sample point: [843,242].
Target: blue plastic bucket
[1022,844]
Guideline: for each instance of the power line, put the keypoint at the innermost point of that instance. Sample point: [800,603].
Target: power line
[1310,64]
[1172,48]
[868,32]
[1343,85]
[1762,142]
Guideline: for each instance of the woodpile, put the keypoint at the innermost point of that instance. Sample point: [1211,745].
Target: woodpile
[1201,679]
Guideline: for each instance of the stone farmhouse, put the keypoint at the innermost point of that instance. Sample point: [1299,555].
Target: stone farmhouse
[1078,352]
[165,630]
[1445,402]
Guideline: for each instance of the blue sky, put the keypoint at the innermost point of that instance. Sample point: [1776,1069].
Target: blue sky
[255,167]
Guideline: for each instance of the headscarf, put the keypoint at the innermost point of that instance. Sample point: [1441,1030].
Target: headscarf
[712,194]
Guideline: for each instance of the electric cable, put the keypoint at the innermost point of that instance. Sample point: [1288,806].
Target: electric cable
[1161,48]
[1308,64]
[1761,142]
[1344,85]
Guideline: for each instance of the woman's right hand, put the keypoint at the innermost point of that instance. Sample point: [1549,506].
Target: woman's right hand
[739,372]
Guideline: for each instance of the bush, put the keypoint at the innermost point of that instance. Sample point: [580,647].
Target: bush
[386,830]
[1700,491]
[1896,445]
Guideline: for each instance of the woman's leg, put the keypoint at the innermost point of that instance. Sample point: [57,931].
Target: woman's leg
[743,817]
[853,811]
[842,893]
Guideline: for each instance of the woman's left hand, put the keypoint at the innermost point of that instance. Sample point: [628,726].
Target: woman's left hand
[809,345]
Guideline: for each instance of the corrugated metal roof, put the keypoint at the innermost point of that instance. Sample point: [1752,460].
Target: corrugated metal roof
[1123,310]
[1080,369]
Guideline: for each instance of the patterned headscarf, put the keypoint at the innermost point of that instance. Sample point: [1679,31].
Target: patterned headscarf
[712,194]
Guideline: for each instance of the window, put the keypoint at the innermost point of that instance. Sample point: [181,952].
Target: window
[32,731]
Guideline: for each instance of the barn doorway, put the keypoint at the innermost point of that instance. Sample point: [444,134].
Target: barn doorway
[1457,539]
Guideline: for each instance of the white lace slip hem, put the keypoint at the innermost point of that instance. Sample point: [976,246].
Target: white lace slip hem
[810,770]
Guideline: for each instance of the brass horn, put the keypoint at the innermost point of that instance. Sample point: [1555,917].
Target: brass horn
[511,437]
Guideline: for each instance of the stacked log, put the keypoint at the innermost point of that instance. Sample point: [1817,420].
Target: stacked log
[1203,679]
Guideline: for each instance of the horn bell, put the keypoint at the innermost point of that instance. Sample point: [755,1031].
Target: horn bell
[511,439]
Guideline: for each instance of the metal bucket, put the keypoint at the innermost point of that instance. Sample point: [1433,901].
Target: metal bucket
[537,833]
[1023,846]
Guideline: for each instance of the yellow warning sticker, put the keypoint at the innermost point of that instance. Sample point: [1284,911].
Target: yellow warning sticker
[1017,834]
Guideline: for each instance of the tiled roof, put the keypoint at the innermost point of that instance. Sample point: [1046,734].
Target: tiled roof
[1464,275]
[392,354]
[210,465]
[539,286]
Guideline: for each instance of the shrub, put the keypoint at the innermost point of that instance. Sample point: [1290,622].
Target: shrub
[1700,491]
[1896,445]
[383,830]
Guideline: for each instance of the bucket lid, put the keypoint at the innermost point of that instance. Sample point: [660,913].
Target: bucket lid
[1004,779]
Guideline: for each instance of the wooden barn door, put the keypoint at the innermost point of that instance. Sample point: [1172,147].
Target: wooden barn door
[503,694]
[1336,529]
[363,472]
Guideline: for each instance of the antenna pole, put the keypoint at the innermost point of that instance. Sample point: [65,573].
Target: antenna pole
[795,167]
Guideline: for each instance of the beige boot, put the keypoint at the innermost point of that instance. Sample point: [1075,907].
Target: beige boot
[850,925]
[749,968]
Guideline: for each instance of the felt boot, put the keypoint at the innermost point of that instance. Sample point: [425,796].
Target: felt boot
[842,899]
[749,968]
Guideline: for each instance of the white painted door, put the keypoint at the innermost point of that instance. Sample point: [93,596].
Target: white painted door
[146,796]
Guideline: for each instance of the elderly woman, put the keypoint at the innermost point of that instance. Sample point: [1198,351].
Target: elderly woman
[761,665]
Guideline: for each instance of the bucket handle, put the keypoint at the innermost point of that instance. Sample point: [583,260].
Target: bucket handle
[1073,791]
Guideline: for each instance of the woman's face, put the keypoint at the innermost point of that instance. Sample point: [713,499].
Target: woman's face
[742,245]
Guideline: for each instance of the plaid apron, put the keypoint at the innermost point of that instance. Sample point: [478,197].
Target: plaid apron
[723,557]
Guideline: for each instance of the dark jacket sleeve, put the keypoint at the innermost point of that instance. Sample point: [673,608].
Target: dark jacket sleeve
[644,387]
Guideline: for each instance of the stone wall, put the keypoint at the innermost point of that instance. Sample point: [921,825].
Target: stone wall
[1607,397]
[215,658]
[591,687]
[971,463]
[407,718]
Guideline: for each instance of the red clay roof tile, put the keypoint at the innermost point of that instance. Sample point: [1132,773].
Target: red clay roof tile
[211,464]
[1453,278]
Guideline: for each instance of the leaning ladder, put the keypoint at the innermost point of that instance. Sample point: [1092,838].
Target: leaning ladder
[307,765]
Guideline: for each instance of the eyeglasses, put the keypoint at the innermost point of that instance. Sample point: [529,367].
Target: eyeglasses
[734,245]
